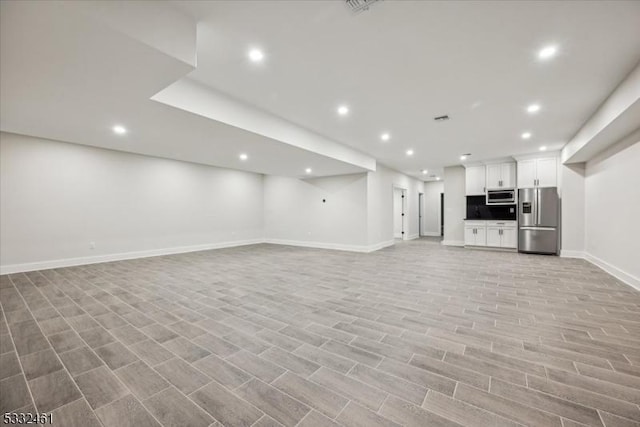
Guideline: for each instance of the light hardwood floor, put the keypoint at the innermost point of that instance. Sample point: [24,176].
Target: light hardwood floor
[416,335]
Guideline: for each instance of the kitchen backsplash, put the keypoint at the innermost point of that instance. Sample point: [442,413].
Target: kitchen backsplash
[477,209]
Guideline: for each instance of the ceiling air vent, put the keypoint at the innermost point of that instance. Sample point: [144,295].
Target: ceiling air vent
[441,118]
[357,6]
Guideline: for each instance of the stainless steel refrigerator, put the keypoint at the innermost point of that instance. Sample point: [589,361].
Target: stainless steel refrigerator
[538,215]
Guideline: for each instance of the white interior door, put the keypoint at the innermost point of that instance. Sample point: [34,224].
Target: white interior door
[398,213]
[420,214]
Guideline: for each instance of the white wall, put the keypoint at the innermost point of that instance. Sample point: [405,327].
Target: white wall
[295,213]
[431,214]
[380,205]
[66,204]
[572,195]
[454,205]
[358,213]
[612,201]
[56,198]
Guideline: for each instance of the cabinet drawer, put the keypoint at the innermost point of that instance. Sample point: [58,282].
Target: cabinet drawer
[475,223]
[502,224]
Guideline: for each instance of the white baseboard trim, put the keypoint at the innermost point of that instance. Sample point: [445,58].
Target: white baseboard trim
[572,254]
[431,233]
[453,242]
[413,236]
[621,275]
[70,262]
[381,245]
[333,246]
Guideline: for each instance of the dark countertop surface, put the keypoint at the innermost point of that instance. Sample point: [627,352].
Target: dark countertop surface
[491,219]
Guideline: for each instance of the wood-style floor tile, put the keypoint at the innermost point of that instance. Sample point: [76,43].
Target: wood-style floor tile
[272,336]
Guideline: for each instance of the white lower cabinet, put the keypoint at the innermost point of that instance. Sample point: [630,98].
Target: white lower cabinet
[475,233]
[502,234]
[509,237]
[495,234]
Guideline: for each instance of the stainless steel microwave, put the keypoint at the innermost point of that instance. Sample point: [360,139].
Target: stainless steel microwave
[501,197]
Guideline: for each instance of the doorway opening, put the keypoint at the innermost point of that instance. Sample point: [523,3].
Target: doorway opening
[441,214]
[420,209]
[399,213]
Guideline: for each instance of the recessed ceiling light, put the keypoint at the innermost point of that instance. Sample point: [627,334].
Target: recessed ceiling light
[409,152]
[437,178]
[343,110]
[463,157]
[243,156]
[424,171]
[256,55]
[385,137]
[543,148]
[308,170]
[533,108]
[120,130]
[547,52]
[526,135]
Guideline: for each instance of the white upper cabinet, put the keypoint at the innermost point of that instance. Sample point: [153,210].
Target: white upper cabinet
[475,181]
[494,173]
[501,175]
[527,173]
[547,171]
[541,172]
[508,174]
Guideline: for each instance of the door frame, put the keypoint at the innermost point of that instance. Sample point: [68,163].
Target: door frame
[441,215]
[420,213]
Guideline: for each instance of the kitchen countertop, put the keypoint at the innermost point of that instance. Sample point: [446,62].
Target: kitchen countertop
[492,219]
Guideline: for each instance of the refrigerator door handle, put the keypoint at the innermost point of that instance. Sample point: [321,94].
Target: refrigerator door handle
[537,206]
[534,207]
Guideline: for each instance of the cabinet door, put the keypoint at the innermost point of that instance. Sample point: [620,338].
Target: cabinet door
[469,236]
[493,236]
[481,236]
[494,176]
[508,175]
[547,172]
[471,181]
[527,174]
[509,238]
[475,180]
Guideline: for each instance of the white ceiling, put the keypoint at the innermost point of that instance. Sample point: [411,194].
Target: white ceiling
[69,74]
[402,63]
